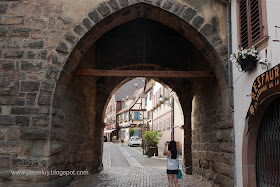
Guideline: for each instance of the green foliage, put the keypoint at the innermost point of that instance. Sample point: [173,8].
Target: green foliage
[131,131]
[152,137]
[114,137]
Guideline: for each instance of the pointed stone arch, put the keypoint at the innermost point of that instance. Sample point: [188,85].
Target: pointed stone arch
[108,15]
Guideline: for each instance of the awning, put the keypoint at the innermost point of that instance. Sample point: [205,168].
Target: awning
[109,131]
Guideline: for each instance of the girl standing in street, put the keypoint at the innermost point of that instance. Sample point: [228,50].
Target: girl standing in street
[170,151]
[122,140]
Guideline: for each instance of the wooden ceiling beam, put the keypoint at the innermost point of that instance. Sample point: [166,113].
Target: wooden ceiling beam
[143,73]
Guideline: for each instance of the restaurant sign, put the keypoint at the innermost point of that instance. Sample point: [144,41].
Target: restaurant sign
[264,84]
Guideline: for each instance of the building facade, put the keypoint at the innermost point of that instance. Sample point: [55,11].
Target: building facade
[161,116]
[256,93]
[133,115]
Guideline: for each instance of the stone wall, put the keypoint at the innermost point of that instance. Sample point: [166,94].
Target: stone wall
[212,134]
[73,127]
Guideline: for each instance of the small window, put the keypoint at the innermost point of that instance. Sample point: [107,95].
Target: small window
[163,126]
[136,115]
[168,124]
[145,101]
[160,127]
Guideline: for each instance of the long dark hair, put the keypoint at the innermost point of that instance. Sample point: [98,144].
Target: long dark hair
[172,148]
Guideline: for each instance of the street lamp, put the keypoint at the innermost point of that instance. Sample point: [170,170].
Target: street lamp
[170,104]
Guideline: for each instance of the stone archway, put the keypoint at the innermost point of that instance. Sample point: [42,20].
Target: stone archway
[73,49]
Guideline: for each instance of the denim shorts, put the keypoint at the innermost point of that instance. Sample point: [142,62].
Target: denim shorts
[172,171]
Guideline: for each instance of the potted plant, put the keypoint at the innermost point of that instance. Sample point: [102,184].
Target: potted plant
[115,139]
[152,138]
[131,132]
[245,58]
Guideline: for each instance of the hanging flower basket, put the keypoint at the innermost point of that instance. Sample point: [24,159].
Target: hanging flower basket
[248,65]
[246,59]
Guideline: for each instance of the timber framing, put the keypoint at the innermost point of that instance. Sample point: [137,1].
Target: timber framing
[144,73]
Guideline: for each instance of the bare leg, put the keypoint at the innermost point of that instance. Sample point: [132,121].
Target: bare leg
[170,180]
[175,179]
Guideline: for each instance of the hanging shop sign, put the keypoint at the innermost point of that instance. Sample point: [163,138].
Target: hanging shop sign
[264,85]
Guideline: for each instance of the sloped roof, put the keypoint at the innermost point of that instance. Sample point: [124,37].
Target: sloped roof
[128,89]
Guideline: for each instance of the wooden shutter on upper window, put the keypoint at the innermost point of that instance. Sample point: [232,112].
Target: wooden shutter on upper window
[250,22]
[243,23]
[255,20]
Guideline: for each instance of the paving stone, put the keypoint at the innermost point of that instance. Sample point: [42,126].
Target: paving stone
[133,176]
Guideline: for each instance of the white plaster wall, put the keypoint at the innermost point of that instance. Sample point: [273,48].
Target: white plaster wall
[243,81]
[149,102]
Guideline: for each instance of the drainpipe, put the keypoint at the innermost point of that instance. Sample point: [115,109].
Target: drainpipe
[230,76]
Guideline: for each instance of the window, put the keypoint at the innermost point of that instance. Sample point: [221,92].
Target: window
[125,116]
[163,126]
[151,96]
[145,101]
[160,127]
[168,124]
[166,93]
[250,28]
[119,105]
[136,115]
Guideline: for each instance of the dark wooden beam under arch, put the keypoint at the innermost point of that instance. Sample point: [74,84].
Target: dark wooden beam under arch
[144,73]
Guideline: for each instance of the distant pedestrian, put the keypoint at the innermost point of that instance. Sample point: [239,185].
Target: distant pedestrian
[171,152]
[122,140]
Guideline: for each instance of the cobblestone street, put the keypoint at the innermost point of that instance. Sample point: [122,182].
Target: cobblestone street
[132,169]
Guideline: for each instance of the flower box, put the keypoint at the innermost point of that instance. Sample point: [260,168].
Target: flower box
[248,65]
[246,59]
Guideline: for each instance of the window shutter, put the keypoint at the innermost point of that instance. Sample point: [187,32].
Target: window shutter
[255,20]
[250,22]
[243,23]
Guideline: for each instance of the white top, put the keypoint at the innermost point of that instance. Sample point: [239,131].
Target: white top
[172,164]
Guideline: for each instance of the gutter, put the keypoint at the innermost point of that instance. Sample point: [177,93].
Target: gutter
[230,76]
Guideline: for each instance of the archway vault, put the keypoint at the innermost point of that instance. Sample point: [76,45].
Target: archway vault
[106,16]
[94,92]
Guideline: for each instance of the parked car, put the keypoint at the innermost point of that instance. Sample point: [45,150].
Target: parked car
[105,139]
[134,140]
